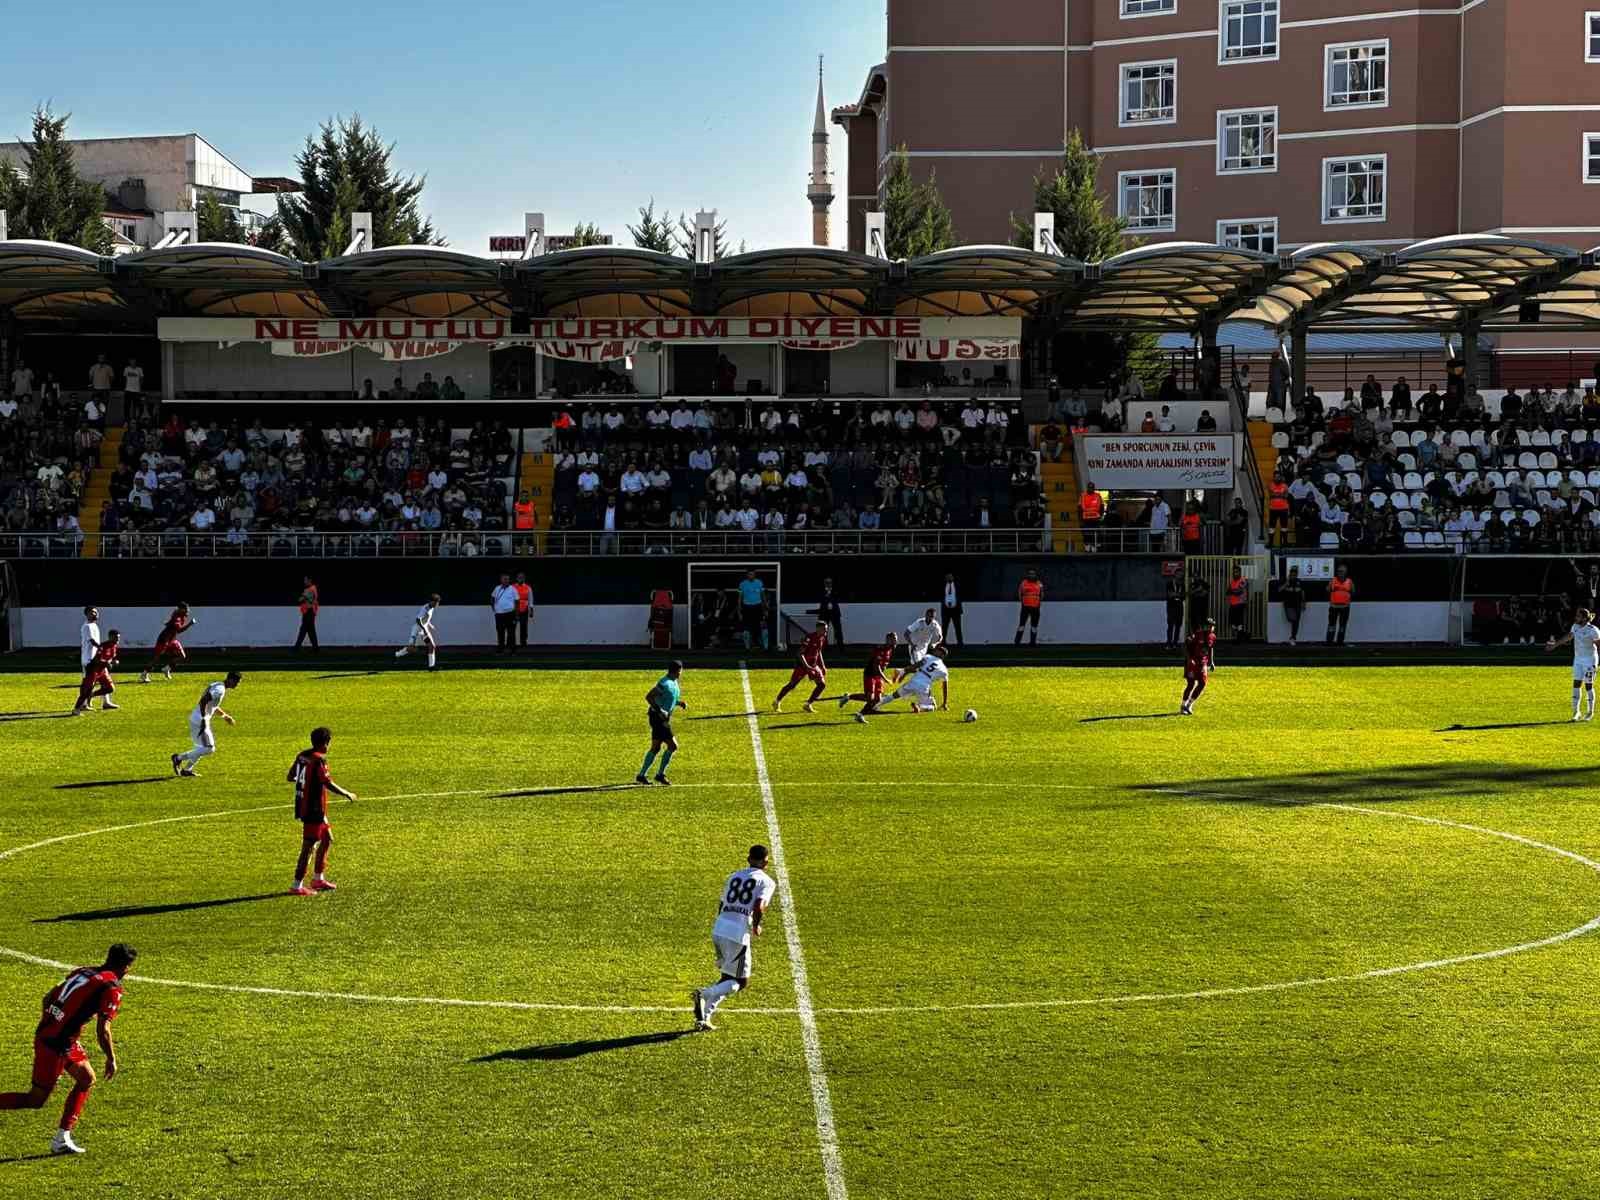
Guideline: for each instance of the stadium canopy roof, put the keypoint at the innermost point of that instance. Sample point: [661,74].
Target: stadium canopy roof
[1481,282]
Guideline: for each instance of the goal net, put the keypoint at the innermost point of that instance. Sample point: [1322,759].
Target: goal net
[719,618]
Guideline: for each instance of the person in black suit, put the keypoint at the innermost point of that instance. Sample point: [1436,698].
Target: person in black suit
[950,610]
[828,610]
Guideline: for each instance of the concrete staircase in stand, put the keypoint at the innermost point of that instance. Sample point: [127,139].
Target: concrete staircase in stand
[98,490]
[1060,480]
[536,475]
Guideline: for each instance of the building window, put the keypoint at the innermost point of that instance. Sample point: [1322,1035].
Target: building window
[1591,37]
[1249,30]
[1247,140]
[1148,200]
[1353,189]
[1591,158]
[1149,93]
[128,231]
[1258,233]
[1357,75]
[1148,8]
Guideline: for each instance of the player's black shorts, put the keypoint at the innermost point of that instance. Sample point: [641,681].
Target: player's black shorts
[660,725]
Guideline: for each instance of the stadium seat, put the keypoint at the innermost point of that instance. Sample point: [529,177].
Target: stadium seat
[1594,479]
[1379,500]
[1494,479]
[1578,436]
[1400,500]
[1412,481]
[1540,438]
[1275,416]
[1531,516]
[1524,437]
[1354,482]
[1548,461]
[1433,538]
[1502,499]
[1408,462]
[1528,460]
[1329,541]
[1408,519]
[1413,539]
[1400,438]
[1346,462]
[1418,436]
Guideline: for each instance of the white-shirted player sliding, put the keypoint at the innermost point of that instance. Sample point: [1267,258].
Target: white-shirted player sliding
[1585,639]
[918,685]
[744,902]
[422,634]
[205,741]
[88,637]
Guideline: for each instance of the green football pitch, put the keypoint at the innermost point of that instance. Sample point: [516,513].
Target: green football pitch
[1330,938]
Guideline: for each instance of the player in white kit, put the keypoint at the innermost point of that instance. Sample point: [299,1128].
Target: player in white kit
[1585,639]
[744,902]
[422,634]
[88,637]
[205,742]
[921,636]
[919,684]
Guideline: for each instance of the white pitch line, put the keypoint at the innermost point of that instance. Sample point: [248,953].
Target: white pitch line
[821,1097]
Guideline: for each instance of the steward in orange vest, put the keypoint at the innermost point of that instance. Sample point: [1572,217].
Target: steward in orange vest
[1341,591]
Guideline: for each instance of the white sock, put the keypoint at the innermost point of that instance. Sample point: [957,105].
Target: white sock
[319,877]
[432,658]
[402,652]
[718,992]
[1576,693]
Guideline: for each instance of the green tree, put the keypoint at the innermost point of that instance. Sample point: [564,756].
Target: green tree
[587,235]
[1086,231]
[345,167]
[47,199]
[214,222]
[719,238]
[652,232]
[916,219]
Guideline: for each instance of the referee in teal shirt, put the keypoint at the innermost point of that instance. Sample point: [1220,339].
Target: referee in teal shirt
[753,608]
[664,699]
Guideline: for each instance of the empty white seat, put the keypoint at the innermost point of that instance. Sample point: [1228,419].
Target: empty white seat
[1531,516]
[1275,415]
[1379,499]
[1413,538]
[1400,500]
[1586,494]
[1401,438]
[1332,480]
[1527,460]
[1549,461]
[1330,539]
[1479,438]
[1407,518]
[1318,438]
[1280,440]
[1460,437]
[1524,438]
[1417,499]
[1347,462]
[1494,479]
[1593,479]
[1408,462]
[1542,498]
[1502,499]
[1433,538]
[1540,437]
[1534,479]
[1418,436]
[1353,481]
[1578,436]
[1412,481]
[1578,478]
[1468,462]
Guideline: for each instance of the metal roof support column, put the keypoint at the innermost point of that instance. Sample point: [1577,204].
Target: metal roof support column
[1208,367]
[1298,335]
[1469,355]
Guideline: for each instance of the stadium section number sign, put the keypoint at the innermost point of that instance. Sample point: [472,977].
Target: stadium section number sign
[1171,461]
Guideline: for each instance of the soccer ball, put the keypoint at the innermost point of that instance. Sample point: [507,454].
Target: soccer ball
[972,715]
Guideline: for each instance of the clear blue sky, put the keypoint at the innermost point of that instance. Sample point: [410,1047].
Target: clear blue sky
[581,111]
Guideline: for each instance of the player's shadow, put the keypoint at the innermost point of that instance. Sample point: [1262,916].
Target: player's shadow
[33,716]
[735,716]
[577,790]
[1377,785]
[1507,725]
[349,675]
[110,783]
[561,1051]
[1160,716]
[154,910]
[28,1158]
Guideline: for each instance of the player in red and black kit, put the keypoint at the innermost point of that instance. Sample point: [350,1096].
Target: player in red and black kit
[809,666]
[312,783]
[168,647]
[1199,660]
[86,992]
[97,676]
[873,677]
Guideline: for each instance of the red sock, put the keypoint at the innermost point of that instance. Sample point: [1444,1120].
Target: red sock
[76,1099]
[322,856]
[10,1100]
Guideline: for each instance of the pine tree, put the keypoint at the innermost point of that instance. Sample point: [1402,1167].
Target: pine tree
[48,199]
[215,223]
[1086,231]
[916,219]
[345,167]
[652,232]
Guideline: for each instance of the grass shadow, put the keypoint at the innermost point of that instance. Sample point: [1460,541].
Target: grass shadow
[1161,716]
[1377,785]
[110,783]
[154,910]
[578,790]
[561,1051]
[33,716]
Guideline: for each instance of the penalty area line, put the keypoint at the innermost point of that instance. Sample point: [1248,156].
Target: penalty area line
[821,1095]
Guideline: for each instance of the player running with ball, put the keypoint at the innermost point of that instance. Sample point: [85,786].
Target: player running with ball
[808,666]
[918,685]
[205,741]
[1585,639]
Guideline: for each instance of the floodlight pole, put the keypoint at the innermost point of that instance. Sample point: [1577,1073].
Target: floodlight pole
[360,233]
[1044,234]
[705,236]
[532,235]
[1469,356]
[877,235]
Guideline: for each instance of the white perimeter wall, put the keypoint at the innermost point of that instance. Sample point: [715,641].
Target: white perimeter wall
[252,367]
[1370,623]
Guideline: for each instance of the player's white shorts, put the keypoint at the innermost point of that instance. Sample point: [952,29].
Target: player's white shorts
[920,690]
[419,636]
[1583,673]
[733,956]
[917,654]
[200,732]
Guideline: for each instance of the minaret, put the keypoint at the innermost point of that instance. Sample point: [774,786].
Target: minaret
[820,193]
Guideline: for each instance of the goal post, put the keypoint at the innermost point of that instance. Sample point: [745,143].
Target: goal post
[717,614]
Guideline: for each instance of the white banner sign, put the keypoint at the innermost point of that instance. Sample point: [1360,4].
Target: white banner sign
[1158,461]
[965,350]
[953,337]
[388,351]
[590,352]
